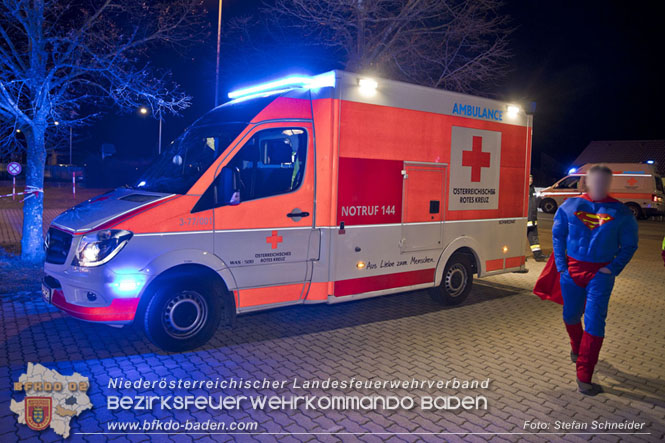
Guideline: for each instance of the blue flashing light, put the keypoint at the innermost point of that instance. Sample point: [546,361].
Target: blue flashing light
[292,81]
[572,170]
[259,94]
[127,285]
[650,162]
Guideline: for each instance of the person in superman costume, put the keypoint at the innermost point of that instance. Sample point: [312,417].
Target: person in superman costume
[594,237]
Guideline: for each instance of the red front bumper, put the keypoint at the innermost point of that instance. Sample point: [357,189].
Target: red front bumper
[120,310]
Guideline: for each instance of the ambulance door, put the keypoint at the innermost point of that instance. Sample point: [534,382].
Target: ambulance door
[422,205]
[568,187]
[264,215]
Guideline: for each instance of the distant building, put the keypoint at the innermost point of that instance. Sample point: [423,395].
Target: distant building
[624,151]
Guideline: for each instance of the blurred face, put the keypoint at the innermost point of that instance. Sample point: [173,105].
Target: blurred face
[598,185]
[530,180]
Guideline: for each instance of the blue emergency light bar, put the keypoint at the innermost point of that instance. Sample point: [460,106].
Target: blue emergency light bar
[292,81]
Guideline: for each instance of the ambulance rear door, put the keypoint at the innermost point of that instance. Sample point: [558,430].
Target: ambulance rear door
[422,205]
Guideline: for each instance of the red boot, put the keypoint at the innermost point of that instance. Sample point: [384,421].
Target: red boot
[586,362]
[575,333]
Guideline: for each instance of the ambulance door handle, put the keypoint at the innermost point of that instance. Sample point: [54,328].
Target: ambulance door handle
[298,215]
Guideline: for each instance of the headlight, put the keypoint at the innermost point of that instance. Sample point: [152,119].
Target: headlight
[99,247]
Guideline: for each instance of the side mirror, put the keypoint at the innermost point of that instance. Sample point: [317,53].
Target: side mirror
[226,189]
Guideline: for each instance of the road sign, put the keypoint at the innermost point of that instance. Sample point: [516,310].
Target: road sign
[14,168]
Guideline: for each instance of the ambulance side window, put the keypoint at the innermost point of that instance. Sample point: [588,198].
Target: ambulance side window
[272,162]
[568,183]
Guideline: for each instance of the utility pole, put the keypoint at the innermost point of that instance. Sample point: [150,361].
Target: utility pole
[159,144]
[219,40]
[70,146]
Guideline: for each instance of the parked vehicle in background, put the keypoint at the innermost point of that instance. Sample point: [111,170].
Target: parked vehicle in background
[637,185]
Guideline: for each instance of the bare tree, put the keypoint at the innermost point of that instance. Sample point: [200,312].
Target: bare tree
[60,60]
[459,45]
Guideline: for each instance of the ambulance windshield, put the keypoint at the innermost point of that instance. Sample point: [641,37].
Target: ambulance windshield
[189,156]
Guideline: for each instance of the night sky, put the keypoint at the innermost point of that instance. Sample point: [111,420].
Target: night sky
[594,69]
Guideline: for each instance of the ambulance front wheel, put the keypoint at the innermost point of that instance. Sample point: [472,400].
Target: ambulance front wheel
[183,316]
[456,281]
[548,206]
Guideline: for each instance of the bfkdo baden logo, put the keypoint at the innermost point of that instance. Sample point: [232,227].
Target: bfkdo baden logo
[51,399]
[38,412]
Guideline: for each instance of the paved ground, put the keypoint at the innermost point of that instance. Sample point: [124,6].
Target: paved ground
[503,333]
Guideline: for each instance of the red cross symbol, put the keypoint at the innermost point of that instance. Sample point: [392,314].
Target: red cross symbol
[476,159]
[274,239]
[632,181]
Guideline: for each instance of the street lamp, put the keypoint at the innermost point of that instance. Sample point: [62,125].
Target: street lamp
[71,139]
[159,142]
[219,40]
[144,111]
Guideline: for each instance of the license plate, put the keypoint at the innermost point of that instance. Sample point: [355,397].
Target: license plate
[46,293]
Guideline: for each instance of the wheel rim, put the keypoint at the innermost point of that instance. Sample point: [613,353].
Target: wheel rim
[549,207]
[635,211]
[456,279]
[185,314]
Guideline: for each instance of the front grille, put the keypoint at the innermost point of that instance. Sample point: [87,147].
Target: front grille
[52,282]
[58,244]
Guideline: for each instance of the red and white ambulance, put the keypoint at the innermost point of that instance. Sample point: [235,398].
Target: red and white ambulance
[637,185]
[318,189]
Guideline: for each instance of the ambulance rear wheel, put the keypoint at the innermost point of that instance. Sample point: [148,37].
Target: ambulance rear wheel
[183,316]
[456,281]
[548,206]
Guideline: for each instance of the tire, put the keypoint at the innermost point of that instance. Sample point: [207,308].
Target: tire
[636,210]
[183,316]
[456,282]
[548,206]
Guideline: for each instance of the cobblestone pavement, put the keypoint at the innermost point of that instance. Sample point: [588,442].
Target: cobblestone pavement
[503,333]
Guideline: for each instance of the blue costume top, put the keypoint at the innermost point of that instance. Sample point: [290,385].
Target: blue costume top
[595,232]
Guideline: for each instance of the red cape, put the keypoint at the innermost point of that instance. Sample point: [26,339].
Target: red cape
[548,286]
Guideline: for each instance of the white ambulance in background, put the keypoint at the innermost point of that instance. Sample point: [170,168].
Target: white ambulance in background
[302,190]
[637,185]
